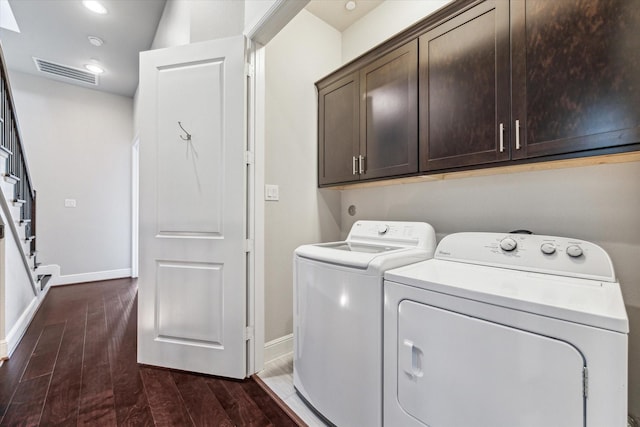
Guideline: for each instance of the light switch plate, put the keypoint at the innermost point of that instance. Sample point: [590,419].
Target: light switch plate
[271,192]
[69,203]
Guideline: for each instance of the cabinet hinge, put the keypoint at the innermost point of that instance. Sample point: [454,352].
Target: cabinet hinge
[249,157]
[248,333]
[248,245]
[249,69]
[585,382]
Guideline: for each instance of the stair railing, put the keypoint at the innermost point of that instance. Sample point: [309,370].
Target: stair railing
[17,167]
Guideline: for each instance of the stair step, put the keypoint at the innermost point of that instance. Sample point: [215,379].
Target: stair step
[18,202]
[24,221]
[44,279]
[10,178]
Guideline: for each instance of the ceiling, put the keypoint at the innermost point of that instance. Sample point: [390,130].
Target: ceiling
[57,31]
[334,12]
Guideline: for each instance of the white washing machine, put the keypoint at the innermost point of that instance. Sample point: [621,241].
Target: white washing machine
[337,320]
[506,331]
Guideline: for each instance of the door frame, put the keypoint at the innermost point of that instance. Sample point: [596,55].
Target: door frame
[277,17]
[255,206]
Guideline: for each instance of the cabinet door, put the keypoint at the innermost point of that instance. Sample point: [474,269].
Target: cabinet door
[464,89]
[389,114]
[338,142]
[576,84]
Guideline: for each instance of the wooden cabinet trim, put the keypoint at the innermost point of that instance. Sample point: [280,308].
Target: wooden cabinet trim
[629,157]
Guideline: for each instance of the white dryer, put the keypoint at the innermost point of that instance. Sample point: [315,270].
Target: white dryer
[506,331]
[337,320]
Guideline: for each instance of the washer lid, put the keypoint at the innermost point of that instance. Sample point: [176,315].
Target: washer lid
[376,245]
[359,247]
[357,255]
[588,302]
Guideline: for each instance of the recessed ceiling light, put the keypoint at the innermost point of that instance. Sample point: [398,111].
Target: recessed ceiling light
[350,5]
[96,41]
[94,6]
[96,69]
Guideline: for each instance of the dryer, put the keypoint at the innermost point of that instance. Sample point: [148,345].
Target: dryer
[337,320]
[506,330]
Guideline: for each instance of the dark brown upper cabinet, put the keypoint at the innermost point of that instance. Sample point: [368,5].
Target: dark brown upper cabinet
[486,83]
[389,114]
[338,130]
[368,120]
[576,75]
[464,89]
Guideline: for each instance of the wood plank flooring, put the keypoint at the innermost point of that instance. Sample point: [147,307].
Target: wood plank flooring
[76,365]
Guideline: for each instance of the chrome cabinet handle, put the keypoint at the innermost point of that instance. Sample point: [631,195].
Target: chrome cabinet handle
[355,172]
[361,164]
[501,137]
[517,134]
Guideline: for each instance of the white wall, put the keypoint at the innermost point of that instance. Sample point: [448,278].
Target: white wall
[215,19]
[191,21]
[303,52]
[174,28]
[78,146]
[16,293]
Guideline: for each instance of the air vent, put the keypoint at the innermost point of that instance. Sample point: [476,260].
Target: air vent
[66,72]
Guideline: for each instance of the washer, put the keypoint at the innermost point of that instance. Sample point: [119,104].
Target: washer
[337,366]
[506,330]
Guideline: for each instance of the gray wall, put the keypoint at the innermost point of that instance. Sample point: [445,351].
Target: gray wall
[303,52]
[78,147]
[600,204]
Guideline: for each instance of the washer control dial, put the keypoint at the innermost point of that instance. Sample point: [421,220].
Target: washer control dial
[383,228]
[574,251]
[548,248]
[508,244]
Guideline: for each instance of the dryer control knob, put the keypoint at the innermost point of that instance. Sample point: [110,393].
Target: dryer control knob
[548,248]
[508,244]
[383,228]
[574,251]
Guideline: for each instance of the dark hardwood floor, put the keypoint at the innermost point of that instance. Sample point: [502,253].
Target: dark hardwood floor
[76,365]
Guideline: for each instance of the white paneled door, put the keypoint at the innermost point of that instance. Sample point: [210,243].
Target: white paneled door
[192,279]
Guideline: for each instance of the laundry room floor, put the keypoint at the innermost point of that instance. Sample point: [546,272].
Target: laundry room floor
[76,365]
[278,376]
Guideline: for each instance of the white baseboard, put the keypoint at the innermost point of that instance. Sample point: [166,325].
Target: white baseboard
[15,334]
[95,276]
[278,348]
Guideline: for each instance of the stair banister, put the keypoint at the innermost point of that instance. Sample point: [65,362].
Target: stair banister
[17,165]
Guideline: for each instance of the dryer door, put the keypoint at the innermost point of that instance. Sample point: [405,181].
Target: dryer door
[455,370]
